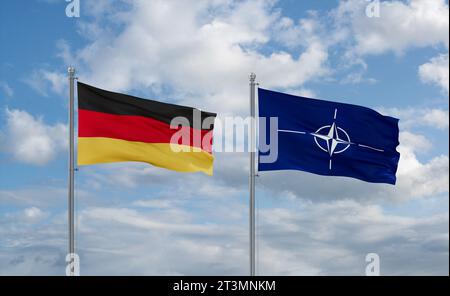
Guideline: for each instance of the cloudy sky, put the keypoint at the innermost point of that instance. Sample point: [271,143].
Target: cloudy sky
[135,219]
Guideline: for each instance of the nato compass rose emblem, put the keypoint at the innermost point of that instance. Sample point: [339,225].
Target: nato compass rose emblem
[332,139]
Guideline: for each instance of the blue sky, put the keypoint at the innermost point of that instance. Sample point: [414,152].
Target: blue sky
[136,219]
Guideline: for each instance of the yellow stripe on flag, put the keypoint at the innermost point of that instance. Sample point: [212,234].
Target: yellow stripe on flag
[92,150]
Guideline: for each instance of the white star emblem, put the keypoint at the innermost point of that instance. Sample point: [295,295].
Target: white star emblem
[332,139]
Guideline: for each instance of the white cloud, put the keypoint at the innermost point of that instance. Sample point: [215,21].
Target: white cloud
[31,197]
[67,57]
[415,142]
[436,71]
[414,116]
[44,81]
[437,118]
[401,25]
[357,77]
[30,140]
[125,216]
[337,235]
[30,215]
[153,203]
[34,214]
[294,238]
[205,55]
[416,179]
[294,35]
[4,86]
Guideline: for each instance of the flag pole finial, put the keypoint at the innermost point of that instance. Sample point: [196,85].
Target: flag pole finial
[71,70]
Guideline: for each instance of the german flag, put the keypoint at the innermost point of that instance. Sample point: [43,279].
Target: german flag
[114,127]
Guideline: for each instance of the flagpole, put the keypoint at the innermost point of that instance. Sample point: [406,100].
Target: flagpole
[252,175]
[71,72]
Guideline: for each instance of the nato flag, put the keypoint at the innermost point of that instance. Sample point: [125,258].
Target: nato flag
[327,138]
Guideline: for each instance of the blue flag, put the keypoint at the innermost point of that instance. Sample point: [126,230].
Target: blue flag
[326,138]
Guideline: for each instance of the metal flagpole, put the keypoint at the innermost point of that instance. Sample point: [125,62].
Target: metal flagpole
[252,175]
[71,72]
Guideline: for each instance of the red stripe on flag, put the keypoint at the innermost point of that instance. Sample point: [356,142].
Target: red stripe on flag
[134,128]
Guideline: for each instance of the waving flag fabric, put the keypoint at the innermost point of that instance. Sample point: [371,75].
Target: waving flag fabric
[329,138]
[114,127]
